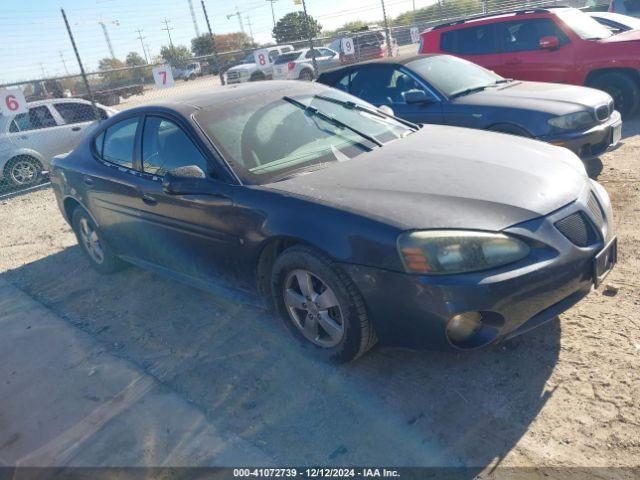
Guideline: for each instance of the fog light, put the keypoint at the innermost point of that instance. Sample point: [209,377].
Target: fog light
[463,326]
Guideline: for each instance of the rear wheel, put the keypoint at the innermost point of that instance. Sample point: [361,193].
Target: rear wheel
[623,89]
[306,75]
[23,171]
[90,239]
[320,305]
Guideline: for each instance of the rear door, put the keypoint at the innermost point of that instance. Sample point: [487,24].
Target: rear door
[192,235]
[79,118]
[477,44]
[525,60]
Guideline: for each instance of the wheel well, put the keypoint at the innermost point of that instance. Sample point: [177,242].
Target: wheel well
[70,204]
[267,258]
[24,155]
[595,74]
[257,75]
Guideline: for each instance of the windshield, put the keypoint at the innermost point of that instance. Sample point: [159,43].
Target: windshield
[452,75]
[274,137]
[583,25]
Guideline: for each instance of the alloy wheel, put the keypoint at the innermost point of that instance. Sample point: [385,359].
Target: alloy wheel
[91,241]
[314,308]
[23,172]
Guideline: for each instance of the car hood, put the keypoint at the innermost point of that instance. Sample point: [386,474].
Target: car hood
[553,98]
[448,177]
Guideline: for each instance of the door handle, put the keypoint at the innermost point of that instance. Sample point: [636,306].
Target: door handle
[88,181]
[148,199]
[76,129]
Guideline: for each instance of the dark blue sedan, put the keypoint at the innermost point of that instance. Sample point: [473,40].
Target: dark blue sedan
[353,226]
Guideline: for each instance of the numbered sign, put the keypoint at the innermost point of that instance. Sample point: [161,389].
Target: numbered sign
[261,58]
[415,35]
[347,46]
[163,76]
[12,101]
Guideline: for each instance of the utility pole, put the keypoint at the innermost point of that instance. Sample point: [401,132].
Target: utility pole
[273,15]
[168,30]
[250,29]
[216,59]
[193,18]
[310,37]
[386,29]
[103,24]
[44,71]
[64,64]
[141,38]
[239,15]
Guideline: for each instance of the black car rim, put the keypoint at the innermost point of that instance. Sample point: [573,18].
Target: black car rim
[313,308]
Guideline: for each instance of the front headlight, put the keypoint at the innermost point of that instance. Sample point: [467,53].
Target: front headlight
[573,121]
[438,252]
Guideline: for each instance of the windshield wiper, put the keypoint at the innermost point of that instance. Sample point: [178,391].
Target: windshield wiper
[468,91]
[334,121]
[362,108]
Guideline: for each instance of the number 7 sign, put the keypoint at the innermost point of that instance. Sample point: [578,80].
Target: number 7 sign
[163,77]
[12,102]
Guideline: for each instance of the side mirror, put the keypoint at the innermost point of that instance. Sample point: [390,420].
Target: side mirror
[549,43]
[416,96]
[184,180]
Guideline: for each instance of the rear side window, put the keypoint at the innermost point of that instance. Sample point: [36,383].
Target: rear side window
[78,112]
[525,35]
[36,119]
[480,40]
[116,144]
[287,57]
[632,6]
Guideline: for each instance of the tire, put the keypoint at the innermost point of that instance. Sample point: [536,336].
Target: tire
[306,75]
[623,89]
[256,77]
[352,331]
[192,76]
[510,129]
[84,228]
[23,171]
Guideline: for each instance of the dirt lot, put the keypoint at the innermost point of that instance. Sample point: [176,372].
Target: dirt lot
[565,395]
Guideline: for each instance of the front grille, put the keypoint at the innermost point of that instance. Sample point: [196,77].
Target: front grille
[596,211]
[233,75]
[577,228]
[604,111]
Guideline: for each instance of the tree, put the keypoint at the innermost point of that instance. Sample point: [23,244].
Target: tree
[134,60]
[112,64]
[178,56]
[202,45]
[293,27]
[233,41]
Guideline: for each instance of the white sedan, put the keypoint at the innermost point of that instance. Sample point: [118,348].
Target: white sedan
[298,65]
[28,141]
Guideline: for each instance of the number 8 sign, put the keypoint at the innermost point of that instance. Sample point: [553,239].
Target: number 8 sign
[261,57]
[12,102]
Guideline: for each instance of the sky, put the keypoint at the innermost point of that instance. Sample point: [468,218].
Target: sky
[35,42]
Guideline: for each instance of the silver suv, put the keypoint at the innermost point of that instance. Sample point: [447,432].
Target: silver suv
[29,140]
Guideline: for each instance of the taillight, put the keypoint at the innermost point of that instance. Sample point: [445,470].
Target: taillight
[291,66]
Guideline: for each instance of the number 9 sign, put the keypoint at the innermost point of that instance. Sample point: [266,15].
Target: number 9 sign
[163,77]
[12,102]
[347,46]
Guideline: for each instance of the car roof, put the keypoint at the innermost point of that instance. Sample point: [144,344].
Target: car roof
[222,96]
[51,101]
[499,15]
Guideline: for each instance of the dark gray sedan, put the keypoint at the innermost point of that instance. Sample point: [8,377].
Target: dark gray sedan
[448,90]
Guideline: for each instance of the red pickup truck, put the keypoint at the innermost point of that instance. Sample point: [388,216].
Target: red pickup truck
[559,44]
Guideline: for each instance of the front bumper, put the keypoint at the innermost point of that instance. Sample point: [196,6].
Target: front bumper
[413,310]
[589,144]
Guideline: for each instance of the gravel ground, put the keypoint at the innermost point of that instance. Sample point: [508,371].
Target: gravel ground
[564,395]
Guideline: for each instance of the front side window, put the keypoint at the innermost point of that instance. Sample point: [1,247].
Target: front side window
[78,112]
[35,119]
[271,137]
[165,146]
[116,144]
[478,40]
[525,35]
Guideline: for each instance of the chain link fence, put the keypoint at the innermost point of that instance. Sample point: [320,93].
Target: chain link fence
[48,116]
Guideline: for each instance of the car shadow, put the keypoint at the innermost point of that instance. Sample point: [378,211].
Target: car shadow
[239,365]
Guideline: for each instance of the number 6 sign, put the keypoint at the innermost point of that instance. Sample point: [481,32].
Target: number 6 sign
[163,77]
[12,101]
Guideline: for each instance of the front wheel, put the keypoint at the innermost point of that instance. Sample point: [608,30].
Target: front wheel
[95,248]
[320,305]
[623,89]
